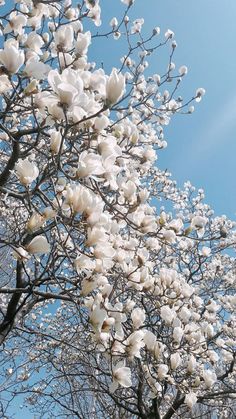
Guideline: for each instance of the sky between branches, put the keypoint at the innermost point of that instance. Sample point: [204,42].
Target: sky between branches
[202,146]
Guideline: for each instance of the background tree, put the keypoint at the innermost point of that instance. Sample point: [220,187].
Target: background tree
[112,305]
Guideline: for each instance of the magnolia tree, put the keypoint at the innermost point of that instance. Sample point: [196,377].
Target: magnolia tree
[112,304]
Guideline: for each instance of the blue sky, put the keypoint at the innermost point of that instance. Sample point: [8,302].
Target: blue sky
[202,146]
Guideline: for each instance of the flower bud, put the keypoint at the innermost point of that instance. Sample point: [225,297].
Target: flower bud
[115,87]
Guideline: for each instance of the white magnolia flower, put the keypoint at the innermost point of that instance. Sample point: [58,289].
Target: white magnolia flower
[65,59]
[167,314]
[66,93]
[206,251]
[185,314]
[90,164]
[11,57]
[37,69]
[183,70]
[66,85]
[85,263]
[199,94]
[35,222]
[34,42]
[5,84]
[178,334]
[88,285]
[115,87]
[81,199]
[156,30]
[97,318]
[138,317]
[77,197]
[187,290]
[97,81]
[175,360]
[64,37]
[212,306]
[95,235]
[94,12]
[49,213]
[39,244]
[168,276]
[169,34]
[149,340]
[104,250]
[101,122]
[121,375]
[209,377]
[162,371]
[109,149]
[176,225]
[198,223]
[213,356]
[82,43]
[129,305]
[16,23]
[108,324]
[31,88]
[190,400]
[191,365]
[137,26]
[128,2]
[55,141]
[169,235]
[26,171]
[114,22]
[191,109]
[134,344]
[9,371]
[129,189]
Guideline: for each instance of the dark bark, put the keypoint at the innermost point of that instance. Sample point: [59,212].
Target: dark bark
[179,400]
[11,312]
[11,163]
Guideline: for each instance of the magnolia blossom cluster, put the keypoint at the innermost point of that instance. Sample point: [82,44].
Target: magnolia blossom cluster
[144,292]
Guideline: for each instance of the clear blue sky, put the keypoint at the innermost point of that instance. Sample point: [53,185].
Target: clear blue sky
[202,146]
